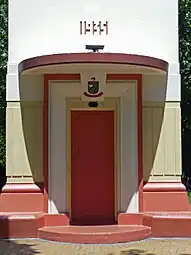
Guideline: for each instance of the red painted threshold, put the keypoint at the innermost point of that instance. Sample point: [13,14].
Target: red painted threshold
[95,234]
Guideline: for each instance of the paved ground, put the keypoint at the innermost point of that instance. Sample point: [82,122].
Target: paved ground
[149,247]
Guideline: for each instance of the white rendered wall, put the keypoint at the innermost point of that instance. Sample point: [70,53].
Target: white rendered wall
[57,149]
[129,151]
[57,146]
[40,27]
[53,26]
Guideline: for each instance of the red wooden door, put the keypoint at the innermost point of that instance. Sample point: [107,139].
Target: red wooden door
[92,167]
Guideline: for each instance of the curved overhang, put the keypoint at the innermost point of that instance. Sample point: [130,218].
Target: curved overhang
[43,64]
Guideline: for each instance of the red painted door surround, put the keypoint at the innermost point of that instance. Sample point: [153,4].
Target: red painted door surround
[110,77]
[92,167]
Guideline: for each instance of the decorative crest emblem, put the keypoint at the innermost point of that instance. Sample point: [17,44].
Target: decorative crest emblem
[93,86]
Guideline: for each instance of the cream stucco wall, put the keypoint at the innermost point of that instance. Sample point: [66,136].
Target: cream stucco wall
[24,128]
[129,151]
[161,132]
[161,141]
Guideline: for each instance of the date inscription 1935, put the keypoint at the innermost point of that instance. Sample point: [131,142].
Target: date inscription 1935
[94,28]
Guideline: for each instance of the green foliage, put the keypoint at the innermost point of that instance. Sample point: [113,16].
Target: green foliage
[189,197]
[185,49]
[3,70]
[185,70]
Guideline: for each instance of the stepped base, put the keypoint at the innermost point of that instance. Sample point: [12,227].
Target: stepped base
[20,225]
[95,234]
[169,224]
[131,227]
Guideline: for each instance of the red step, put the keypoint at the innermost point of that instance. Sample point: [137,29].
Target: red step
[95,234]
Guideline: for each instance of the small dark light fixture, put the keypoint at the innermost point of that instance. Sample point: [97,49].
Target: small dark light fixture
[93,104]
[94,48]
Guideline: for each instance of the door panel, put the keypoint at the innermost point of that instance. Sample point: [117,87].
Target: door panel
[92,167]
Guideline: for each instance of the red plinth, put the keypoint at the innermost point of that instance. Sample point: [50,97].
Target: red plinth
[165,197]
[19,197]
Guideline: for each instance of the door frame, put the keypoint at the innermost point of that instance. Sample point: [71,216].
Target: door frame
[109,104]
[48,78]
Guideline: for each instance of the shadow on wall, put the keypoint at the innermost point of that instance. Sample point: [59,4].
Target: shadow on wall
[153,119]
[31,98]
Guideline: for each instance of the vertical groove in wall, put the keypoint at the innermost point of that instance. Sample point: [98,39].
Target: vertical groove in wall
[158,168]
[147,142]
[163,139]
[175,139]
[174,111]
[152,142]
[178,153]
